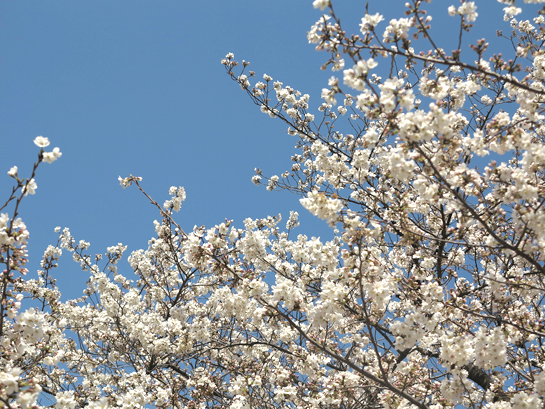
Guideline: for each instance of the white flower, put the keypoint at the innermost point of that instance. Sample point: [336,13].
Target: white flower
[329,96]
[485,99]
[41,141]
[65,400]
[370,22]
[30,187]
[510,12]
[52,156]
[468,10]
[13,172]
[9,381]
[320,4]
[322,206]
[102,403]
[128,181]
[27,399]
[524,401]
[397,29]
[293,220]
[292,112]
[178,196]
[338,65]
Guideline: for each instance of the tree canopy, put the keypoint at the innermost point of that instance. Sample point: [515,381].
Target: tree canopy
[427,164]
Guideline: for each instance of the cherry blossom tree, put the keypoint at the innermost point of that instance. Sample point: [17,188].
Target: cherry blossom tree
[429,167]
[29,339]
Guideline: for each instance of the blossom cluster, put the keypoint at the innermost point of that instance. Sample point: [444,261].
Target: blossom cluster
[436,199]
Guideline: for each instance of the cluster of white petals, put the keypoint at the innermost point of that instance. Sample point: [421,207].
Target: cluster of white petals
[467,10]
[48,157]
[320,205]
[178,196]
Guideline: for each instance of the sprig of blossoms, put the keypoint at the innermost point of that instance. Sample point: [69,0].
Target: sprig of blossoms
[467,10]
[320,205]
[48,157]
[178,196]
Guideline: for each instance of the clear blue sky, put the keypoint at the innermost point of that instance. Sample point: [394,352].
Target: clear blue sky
[137,87]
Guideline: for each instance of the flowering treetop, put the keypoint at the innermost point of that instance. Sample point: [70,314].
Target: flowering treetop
[430,295]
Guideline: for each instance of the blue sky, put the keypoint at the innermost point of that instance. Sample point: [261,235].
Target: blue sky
[136,87]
